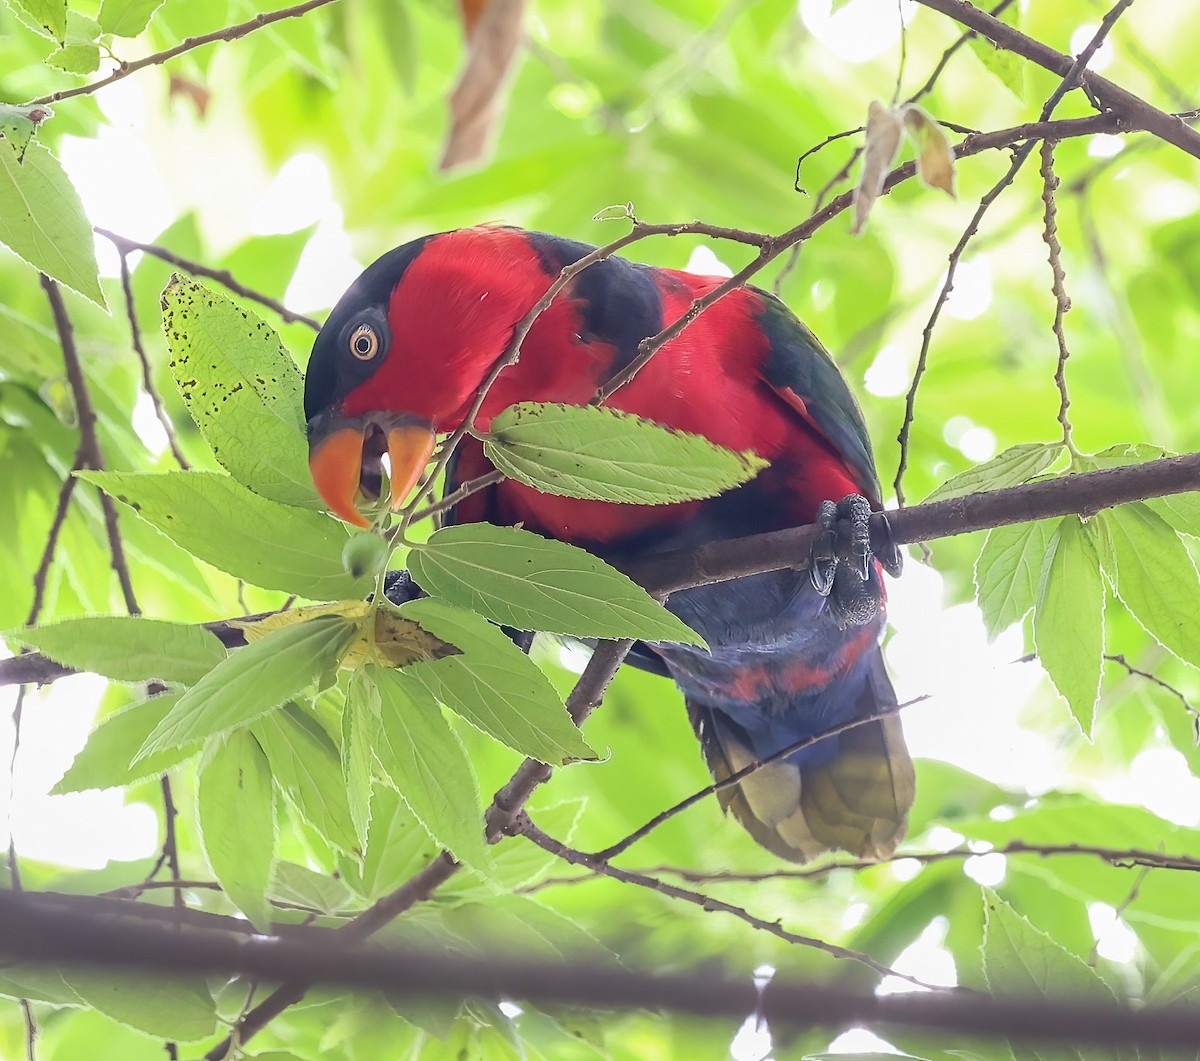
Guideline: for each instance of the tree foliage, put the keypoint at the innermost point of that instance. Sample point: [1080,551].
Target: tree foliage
[311,763]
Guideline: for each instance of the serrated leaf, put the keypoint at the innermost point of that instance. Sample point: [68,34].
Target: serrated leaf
[935,156]
[616,212]
[164,1006]
[128,648]
[885,128]
[235,809]
[301,886]
[242,389]
[219,521]
[1156,579]
[252,681]
[1008,570]
[1014,466]
[1068,620]
[42,221]
[36,983]
[306,766]
[46,16]
[396,641]
[397,844]
[107,759]
[609,455]
[495,686]
[426,763]
[520,579]
[358,725]
[19,125]
[80,53]
[126,18]
[1021,960]
[522,924]
[1006,66]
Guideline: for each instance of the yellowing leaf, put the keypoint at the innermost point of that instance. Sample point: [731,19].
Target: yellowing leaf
[397,641]
[935,156]
[884,130]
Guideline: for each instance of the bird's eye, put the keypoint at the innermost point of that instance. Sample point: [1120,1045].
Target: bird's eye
[364,342]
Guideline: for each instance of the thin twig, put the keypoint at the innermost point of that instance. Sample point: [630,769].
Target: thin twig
[708,903]
[1121,858]
[90,454]
[224,277]
[229,33]
[1125,904]
[1074,72]
[1191,709]
[738,776]
[135,334]
[56,525]
[1062,302]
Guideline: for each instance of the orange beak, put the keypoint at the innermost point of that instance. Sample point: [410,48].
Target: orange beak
[344,458]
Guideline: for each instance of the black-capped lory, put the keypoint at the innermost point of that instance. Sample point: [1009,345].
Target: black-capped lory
[792,653]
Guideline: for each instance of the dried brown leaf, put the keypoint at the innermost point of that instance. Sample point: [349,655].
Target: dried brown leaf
[885,127]
[494,31]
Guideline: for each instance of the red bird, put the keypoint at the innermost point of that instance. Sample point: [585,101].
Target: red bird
[401,359]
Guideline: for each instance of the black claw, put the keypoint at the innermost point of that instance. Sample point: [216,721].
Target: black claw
[889,553]
[822,558]
[857,510]
[399,588]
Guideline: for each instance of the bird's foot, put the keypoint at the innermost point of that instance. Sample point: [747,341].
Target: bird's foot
[841,567]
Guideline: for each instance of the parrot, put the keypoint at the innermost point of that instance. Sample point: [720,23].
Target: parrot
[791,653]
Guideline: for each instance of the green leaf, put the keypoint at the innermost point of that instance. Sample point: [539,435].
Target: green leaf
[19,125]
[126,18]
[47,16]
[495,686]
[253,681]
[107,760]
[299,885]
[1021,960]
[1008,570]
[243,390]
[221,522]
[1068,620]
[521,579]
[235,808]
[1010,468]
[163,1006]
[608,455]
[358,725]
[305,765]
[1181,511]
[80,53]
[1006,66]
[398,845]
[425,761]
[128,648]
[42,221]
[1156,579]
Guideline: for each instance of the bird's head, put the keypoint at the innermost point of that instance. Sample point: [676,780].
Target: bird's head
[404,353]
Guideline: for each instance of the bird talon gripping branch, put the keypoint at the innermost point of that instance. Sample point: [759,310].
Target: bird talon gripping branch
[402,359]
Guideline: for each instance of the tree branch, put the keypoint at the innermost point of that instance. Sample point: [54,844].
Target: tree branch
[1129,107]
[229,33]
[1083,494]
[31,933]
[526,828]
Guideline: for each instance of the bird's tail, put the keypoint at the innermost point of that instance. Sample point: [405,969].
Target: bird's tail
[851,791]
